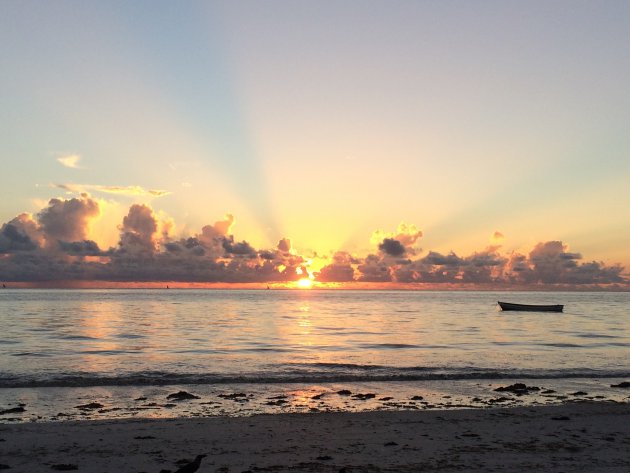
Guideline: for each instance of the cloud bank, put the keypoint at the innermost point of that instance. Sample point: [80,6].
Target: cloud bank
[54,246]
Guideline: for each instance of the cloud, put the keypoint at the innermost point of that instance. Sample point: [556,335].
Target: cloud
[13,239]
[398,243]
[497,237]
[211,236]
[138,230]
[69,160]
[223,227]
[374,269]
[136,191]
[437,259]
[550,263]
[186,246]
[284,245]
[481,267]
[54,245]
[407,234]
[220,228]
[241,248]
[67,220]
[392,247]
[81,248]
[20,234]
[340,270]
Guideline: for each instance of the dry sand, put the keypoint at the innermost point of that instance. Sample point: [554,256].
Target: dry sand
[574,437]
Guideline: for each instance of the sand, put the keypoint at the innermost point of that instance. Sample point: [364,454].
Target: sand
[576,437]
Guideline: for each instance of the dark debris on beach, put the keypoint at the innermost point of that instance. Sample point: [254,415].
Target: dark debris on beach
[307,400]
[518,389]
[90,405]
[181,396]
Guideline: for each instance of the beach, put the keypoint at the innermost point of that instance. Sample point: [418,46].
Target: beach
[349,381]
[577,436]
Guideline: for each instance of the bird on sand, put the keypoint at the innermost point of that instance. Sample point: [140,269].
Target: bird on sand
[192,466]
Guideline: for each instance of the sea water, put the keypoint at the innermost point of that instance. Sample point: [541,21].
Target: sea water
[130,342]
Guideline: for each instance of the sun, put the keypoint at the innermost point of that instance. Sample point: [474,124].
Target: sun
[305,283]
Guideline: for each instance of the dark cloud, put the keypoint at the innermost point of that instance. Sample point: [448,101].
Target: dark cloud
[392,247]
[191,245]
[25,224]
[374,269]
[173,247]
[241,248]
[267,255]
[80,248]
[14,239]
[594,273]
[437,259]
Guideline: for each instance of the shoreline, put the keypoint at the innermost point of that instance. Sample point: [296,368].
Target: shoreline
[578,436]
[50,404]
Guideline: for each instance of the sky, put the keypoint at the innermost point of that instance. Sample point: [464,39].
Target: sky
[376,141]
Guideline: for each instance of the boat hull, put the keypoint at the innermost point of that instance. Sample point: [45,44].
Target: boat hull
[531,307]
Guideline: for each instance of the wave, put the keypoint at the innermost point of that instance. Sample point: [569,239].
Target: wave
[312,373]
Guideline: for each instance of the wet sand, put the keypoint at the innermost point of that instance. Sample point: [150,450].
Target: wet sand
[577,436]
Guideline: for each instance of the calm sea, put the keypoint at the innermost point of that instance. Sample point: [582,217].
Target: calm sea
[163,337]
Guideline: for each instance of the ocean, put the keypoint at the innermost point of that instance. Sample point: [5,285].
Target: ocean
[251,351]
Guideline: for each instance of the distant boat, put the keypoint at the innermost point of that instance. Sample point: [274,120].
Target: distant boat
[531,307]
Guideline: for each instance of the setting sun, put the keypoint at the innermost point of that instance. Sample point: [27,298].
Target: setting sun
[305,283]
